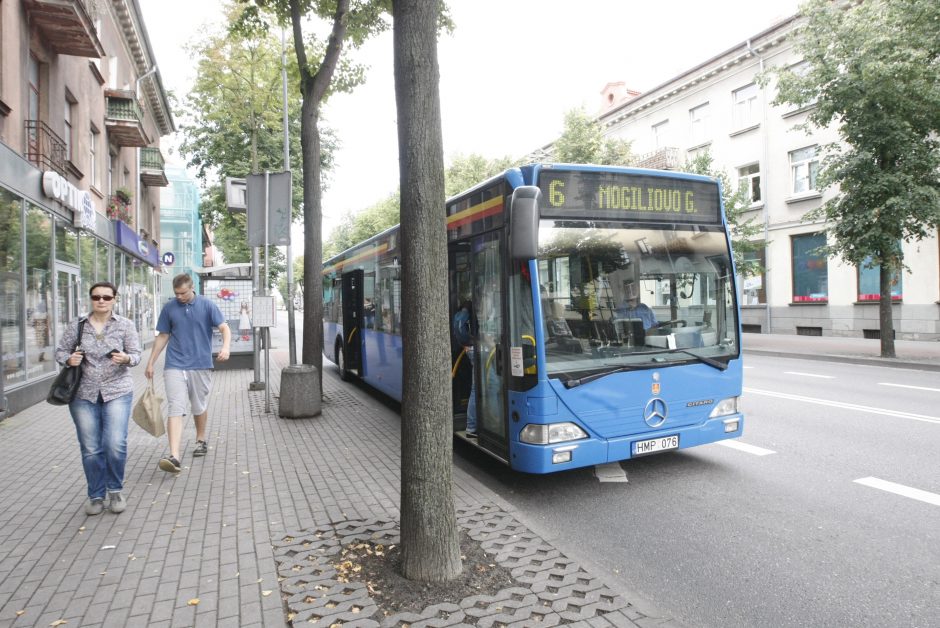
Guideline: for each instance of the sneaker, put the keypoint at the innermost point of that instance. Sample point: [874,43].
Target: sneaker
[170,464]
[94,506]
[202,447]
[116,502]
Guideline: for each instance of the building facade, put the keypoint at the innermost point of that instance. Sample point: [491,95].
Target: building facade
[82,110]
[720,108]
[180,230]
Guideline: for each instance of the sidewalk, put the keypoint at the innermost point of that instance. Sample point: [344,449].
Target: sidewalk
[911,354]
[243,537]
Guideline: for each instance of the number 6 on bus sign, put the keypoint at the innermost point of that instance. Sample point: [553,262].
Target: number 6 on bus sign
[655,445]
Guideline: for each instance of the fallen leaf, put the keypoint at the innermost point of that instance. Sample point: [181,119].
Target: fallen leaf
[81,529]
[260,580]
[58,622]
[193,602]
[108,547]
[266,593]
[20,613]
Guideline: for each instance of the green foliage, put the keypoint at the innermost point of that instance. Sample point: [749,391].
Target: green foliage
[582,142]
[463,173]
[745,232]
[873,70]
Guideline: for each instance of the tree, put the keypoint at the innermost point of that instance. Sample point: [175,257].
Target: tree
[320,72]
[465,172]
[582,142]
[744,231]
[429,541]
[233,124]
[872,69]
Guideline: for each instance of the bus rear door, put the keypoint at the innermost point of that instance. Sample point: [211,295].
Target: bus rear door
[352,321]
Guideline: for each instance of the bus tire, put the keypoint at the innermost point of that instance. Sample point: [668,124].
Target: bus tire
[341,362]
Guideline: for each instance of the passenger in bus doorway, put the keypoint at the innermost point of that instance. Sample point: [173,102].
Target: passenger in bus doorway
[464,336]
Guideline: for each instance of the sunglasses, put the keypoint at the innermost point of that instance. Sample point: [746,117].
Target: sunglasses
[102,297]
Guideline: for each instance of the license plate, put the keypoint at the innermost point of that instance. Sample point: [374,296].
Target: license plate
[655,445]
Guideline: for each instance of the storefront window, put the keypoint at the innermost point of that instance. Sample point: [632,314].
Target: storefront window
[11,288]
[40,341]
[869,282]
[66,244]
[86,243]
[102,272]
[810,270]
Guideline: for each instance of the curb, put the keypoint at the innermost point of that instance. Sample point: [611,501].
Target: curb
[848,359]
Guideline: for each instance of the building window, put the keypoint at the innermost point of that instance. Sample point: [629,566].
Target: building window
[69,107]
[94,177]
[810,269]
[700,124]
[749,182]
[804,167]
[660,131]
[753,285]
[745,106]
[869,282]
[33,105]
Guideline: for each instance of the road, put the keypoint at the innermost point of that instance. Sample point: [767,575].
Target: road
[825,513]
[794,529]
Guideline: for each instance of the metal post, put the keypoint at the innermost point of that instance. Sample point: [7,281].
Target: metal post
[267,279]
[291,331]
[257,384]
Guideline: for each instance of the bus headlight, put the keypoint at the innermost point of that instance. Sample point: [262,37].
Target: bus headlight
[552,433]
[723,407]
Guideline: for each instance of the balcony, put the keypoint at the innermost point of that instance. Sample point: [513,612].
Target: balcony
[660,159]
[44,148]
[68,26]
[125,119]
[152,172]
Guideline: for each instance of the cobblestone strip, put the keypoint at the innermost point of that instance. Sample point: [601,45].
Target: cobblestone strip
[550,589]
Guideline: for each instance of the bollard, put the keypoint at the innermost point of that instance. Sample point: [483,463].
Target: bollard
[300,392]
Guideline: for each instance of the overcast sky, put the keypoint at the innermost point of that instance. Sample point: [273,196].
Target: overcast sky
[509,72]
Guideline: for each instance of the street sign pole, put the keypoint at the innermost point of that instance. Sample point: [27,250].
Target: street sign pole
[291,330]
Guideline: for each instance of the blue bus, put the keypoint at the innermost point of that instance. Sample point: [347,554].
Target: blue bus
[604,315]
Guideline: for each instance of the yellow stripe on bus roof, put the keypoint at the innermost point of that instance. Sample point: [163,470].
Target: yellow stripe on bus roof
[355,258]
[475,209]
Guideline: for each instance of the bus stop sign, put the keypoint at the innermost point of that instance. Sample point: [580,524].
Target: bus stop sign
[279,209]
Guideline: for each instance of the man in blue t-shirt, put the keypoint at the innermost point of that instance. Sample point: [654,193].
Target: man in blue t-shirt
[185,327]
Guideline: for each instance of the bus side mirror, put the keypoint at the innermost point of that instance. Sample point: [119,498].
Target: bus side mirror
[524,222]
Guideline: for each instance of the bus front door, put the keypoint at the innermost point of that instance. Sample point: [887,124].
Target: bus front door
[352,322]
[489,355]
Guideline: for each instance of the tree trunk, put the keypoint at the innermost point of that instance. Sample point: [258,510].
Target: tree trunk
[313,227]
[429,541]
[885,315]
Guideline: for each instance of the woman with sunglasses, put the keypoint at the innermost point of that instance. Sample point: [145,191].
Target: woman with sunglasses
[108,347]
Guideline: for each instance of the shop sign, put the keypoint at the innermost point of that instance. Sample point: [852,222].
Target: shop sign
[125,238]
[55,186]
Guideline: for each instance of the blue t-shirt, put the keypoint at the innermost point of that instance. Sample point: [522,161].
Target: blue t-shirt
[190,328]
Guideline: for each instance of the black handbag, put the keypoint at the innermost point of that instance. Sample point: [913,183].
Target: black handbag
[66,382]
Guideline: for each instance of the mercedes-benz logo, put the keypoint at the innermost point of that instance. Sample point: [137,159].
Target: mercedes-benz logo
[655,412]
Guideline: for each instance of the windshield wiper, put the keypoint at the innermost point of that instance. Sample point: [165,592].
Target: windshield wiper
[572,383]
[721,366]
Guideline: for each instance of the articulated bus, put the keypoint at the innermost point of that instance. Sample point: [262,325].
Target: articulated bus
[604,319]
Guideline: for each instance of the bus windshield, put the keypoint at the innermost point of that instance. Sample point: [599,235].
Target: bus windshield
[618,296]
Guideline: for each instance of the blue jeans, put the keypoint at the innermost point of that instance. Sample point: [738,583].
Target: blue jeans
[102,435]
[472,404]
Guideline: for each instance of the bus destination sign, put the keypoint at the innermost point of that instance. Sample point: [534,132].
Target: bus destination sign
[619,195]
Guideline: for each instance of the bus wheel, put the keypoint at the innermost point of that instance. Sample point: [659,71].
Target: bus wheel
[341,363]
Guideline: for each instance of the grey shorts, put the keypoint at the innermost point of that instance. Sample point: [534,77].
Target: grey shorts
[187,390]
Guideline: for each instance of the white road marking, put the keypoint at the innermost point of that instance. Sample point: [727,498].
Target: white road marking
[610,472]
[900,489]
[747,367]
[846,406]
[911,387]
[749,449]
[810,375]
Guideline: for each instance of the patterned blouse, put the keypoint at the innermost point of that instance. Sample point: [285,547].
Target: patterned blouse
[99,374]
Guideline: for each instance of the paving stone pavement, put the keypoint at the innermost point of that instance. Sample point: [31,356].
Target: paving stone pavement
[201,548]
